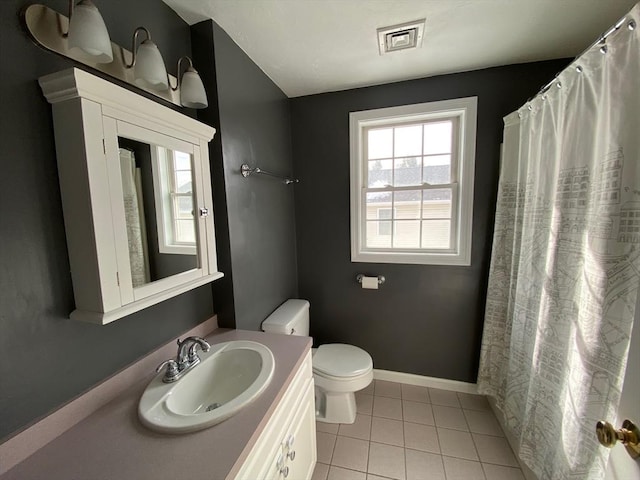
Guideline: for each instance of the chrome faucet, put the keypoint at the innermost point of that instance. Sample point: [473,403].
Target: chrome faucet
[187,353]
[186,359]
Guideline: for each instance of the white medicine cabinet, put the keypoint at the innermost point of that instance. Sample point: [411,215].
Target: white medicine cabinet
[136,194]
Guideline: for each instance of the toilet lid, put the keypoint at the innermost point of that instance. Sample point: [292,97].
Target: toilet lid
[340,360]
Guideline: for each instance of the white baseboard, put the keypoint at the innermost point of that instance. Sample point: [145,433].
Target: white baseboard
[422,381]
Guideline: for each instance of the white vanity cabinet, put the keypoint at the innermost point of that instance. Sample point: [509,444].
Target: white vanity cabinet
[286,449]
[136,194]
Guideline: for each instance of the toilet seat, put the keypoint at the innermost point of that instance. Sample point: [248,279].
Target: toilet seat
[339,361]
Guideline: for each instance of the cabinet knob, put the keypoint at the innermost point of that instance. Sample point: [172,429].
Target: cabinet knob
[289,442]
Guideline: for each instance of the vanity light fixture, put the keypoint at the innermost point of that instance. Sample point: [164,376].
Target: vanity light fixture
[87,34]
[85,40]
[192,92]
[148,66]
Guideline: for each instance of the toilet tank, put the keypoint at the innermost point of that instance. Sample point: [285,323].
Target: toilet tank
[290,318]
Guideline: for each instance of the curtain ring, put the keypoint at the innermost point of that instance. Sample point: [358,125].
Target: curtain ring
[579,69]
[603,49]
[631,25]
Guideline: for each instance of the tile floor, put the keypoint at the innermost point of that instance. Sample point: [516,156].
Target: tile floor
[404,432]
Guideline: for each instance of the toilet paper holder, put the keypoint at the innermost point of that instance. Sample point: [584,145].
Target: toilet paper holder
[360,276]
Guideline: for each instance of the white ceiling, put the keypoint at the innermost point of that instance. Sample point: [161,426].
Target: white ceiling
[314,46]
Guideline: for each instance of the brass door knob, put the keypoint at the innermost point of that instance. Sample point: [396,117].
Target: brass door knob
[629,435]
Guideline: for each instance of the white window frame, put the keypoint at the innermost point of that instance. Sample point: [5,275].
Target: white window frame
[162,190]
[464,110]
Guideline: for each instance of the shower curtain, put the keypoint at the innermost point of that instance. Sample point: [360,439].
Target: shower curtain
[565,265]
[134,215]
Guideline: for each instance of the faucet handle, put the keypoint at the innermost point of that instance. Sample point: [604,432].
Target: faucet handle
[172,371]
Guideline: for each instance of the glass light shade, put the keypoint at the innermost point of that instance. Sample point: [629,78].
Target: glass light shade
[192,93]
[149,70]
[88,36]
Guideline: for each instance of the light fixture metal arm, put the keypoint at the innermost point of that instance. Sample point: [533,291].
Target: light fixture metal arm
[134,49]
[178,76]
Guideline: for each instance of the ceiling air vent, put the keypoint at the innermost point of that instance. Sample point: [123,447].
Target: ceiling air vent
[400,37]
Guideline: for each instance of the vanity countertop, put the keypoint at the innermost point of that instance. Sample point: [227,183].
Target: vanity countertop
[112,444]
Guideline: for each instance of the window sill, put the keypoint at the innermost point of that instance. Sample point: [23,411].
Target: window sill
[452,259]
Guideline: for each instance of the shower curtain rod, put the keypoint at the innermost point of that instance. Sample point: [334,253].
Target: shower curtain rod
[601,40]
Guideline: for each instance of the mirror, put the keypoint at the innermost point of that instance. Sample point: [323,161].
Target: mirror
[158,194]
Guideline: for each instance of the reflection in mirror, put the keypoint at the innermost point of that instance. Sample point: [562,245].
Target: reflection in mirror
[157,185]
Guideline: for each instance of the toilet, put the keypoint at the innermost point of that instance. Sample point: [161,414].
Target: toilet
[339,370]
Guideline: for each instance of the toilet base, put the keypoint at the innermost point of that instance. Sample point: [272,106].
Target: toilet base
[335,407]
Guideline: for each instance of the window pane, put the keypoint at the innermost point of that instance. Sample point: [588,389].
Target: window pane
[379,234]
[437,137]
[408,141]
[380,173]
[183,182]
[436,203]
[380,143]
[376,201]
[184,207]
[436,234]
[185,231]
[183,161]
[384,228]
[407,172]
[436,169]
[384,214]
[406,234]
[407,204]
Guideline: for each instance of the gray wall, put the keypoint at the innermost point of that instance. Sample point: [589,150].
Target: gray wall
[425,319]
[254,125]
[45,358]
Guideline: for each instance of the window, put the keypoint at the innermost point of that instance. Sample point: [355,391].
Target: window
[412,183]
[385,228]
[173,188]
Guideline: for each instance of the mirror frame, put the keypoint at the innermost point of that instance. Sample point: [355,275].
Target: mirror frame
[89,113]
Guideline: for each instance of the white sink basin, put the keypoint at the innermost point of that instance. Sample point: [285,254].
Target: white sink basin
[229,377]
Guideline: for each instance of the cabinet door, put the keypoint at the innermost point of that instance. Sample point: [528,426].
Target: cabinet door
[299,446]
[158,204]
[295,413]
